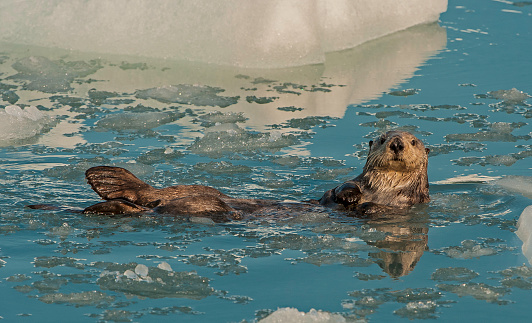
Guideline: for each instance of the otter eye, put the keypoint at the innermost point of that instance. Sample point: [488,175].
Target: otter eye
[413,142]
[382,140]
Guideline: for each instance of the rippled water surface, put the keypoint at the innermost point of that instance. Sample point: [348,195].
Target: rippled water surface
[461,86]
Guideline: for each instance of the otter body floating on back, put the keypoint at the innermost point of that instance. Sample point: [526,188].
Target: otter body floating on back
[394,178]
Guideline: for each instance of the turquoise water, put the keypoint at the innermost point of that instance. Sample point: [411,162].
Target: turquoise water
[287,134]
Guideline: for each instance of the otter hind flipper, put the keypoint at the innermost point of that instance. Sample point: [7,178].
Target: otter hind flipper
[113,207]
[116,183]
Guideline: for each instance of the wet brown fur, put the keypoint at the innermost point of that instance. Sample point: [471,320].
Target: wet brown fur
[126,194]
[393,179]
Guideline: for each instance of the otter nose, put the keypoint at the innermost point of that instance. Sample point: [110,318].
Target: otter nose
[396,145]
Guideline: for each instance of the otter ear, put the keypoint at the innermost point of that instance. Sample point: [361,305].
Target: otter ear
[427,150]
[370,143]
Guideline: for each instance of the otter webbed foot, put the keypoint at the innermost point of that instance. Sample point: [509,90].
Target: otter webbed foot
[112,207]
[347,194]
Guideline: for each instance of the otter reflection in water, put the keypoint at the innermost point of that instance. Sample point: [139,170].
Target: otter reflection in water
[393,179]
[402,247]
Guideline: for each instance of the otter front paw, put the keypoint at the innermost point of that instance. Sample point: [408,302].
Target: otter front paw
[348,194]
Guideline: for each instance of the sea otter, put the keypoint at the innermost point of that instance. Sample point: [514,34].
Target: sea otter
[394,178]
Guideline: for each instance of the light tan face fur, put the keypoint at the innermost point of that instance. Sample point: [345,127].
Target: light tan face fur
[398,151]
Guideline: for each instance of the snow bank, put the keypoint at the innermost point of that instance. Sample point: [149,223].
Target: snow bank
[276,33]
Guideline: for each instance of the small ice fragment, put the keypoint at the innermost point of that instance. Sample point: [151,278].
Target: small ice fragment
[14,110]
[202,220]
[275,135]
[136,121]
[164,266]
[472,178]
[141,270]
[287,314]
[19,124]
[33,113]
[130,274]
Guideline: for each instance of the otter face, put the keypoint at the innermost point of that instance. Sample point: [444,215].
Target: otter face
[398,151]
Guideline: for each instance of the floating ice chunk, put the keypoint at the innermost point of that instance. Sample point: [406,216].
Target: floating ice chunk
[161,282]
[498,160]
[91,298]
[275,33]
[472,178]
[217,118]
[454,274]
[418,310]
[30,112]
[164,266]
[469,249]
[518,282]
[136,121]
[130,274]
[238,140]
[42,74]
[159,155]
[513,96]
[49,262]
[230,128]
[479,291]
[117,316]
[141,270]
[288,315]
[198,95]
[518,184]
[63,231]
[17,124]
[524,232]
[498,131]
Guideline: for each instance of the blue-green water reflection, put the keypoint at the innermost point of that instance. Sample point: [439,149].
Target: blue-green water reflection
[287,134]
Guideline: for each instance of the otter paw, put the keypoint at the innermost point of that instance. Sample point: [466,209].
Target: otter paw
[348,194]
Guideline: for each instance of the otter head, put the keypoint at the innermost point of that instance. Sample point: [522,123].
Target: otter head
[397,151]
